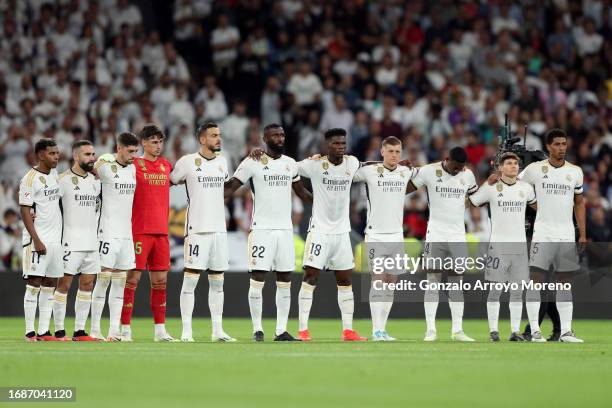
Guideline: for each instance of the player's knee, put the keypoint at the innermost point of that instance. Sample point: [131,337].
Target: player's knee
[343,281]
[86,285]
[258,276]
[49,282]
[537,274]
[63,285]
[283,276]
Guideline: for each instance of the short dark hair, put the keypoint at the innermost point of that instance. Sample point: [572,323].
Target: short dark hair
[272,126]
[127,139]
[556,132]
[43,144]
[458,154]
[391,140]
[149,131]
[509,155]
[334,132]
[80,143]
[204,127]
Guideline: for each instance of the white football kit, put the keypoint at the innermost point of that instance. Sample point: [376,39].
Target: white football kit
[116,246]
[386,194]
[41,192]
[553,231]
[506,259]
[79,198]
[328,243]
[205,230]
[446,196]
[270,242]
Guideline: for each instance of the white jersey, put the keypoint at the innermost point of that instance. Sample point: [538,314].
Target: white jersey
[555,188]
[507,204]
[79,199]
[386,192]
[446,196]
[271,182]
[204,180]
[118,185]
[41,192]
[331,187]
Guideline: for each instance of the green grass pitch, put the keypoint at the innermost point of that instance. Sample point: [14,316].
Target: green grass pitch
[324,373]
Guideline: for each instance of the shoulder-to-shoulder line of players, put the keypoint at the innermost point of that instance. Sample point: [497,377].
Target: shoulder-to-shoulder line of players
[75,233]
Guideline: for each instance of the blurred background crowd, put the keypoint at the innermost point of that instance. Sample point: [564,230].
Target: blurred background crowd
[437,74]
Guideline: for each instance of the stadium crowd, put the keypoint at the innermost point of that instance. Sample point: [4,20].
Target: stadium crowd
[436,74]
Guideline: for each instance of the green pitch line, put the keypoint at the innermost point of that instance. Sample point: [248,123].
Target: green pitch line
[324,373]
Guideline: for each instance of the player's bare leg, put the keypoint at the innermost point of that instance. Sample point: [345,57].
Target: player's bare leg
[159,280]
[131,283]
[311,277]
[565,306]
[98,301]
[30,304]
[45,308]
[532,304]
[283,305]
[257,281]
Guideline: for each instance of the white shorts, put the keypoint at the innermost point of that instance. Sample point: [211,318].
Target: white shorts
[505,267]
[562,255]
[117,253]
[436,255]
[49,265]
[85,262]
[330,251]
[381,246]
[271,250]
[207,250]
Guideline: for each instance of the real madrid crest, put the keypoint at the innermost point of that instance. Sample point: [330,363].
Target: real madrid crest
[438,172]
[198,162]
[264,160]
[544,169]
[568,177]
[462,182]
[42,180]
[114,168]
[521,194]
[401,174]
[75,180]
[500,187]
[380,169]
[325,165]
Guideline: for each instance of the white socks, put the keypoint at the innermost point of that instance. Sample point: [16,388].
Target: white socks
[346,303]
[455,302]
[304,304]
[59,309]
[216,298]
[45,308]
[381,302]
[516,310]
[115,301]
[532,304]
[98,300]
[81,309]
[30,304]
[565,307]
[187,300]
[283,304]
[255,303]
[431,300]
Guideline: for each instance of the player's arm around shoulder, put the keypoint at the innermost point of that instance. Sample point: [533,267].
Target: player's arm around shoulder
[178,173]
[242,174]
[481,196]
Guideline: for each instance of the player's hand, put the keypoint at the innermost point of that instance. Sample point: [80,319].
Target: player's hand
[107,157]
[315,157]
[256,153]
[39,247]
[493,179]
[406,163]
[582,241]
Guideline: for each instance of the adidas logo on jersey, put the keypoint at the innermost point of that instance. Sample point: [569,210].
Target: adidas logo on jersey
[266,168]
[500,195]
[116,176]
[439,180]
[198,169]
[76,188]
[545,176]
[326,173]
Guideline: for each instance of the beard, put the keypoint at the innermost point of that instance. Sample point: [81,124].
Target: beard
[88,167]
[215,149]
[280,149]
